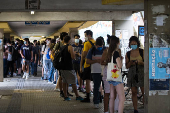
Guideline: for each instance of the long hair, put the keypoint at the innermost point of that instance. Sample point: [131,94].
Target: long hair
[112,47]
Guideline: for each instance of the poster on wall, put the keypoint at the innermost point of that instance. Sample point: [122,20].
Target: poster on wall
[159,65]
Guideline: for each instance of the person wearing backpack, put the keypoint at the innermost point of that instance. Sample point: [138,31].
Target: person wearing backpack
[94,58]
[10,61]
[87,69]
[46,59]
[135,64]
[27,57]
[67,73]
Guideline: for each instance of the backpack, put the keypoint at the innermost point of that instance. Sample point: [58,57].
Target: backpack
[14,54]
[53,55]
[58,61]
[140,51]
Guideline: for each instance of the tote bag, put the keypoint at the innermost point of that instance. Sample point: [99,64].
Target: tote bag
[113,72]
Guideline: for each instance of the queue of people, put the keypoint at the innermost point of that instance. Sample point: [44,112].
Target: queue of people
[81,64]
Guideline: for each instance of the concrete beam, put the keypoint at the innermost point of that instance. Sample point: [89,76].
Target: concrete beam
[65,16]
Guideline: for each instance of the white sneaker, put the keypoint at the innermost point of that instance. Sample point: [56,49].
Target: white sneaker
[24,75]
[96,106]
[58,90]
[14,74]
[27,76]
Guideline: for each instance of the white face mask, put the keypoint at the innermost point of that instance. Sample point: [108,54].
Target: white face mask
[48,42]
[77,41]
[86,38]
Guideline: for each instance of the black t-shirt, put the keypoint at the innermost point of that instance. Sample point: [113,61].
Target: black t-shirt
[115,56]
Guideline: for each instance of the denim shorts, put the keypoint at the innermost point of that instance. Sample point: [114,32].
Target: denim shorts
[114,83]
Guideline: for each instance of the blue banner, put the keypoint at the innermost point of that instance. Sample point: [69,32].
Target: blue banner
[159,63]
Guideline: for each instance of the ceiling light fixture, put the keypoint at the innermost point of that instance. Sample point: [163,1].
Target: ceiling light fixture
[43,36]
[32,12]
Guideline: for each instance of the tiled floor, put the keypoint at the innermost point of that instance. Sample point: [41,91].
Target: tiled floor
[36,96]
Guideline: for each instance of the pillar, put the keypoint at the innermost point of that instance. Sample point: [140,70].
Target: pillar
[72,32]
[157,39]
[1,55]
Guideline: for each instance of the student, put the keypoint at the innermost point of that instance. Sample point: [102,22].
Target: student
[76,62]
[94,58]
[19,58]
[46,59]
[10,62]
[35,58]
[87,70]
[113,52]
[68,74]
[134,59]
[27,57]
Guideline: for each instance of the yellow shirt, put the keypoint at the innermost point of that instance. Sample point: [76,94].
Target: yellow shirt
[87,47]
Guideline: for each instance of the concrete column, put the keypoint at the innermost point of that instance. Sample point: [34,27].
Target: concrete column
[113,27]
[72,32]
[157,21]
[1,55]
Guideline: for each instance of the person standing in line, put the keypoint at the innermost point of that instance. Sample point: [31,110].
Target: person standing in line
[135,64]
[5,57]
[19,58]
[42,58]
[113,53]
[76,62]
[67,73]
[87,69]
[46,59]
[35,58]
[27,57]
[94,58]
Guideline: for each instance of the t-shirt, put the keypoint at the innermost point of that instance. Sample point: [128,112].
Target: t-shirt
[77,49]
[35,51]
[58,46]
[96,54]
[87,47]
[27,51]
[18,48]
[46,48]
[115,56]
[9,54]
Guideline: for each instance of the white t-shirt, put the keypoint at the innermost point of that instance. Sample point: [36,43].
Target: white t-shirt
[46,50]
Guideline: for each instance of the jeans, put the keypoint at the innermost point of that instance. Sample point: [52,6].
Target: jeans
[4,67]
[51,76]
[97,78]
[47,68]
[34,67]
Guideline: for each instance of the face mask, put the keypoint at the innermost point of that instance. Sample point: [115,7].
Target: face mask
[99,48]
[77,41]
[86,38]
[25,42]
[134,47]
[48,42]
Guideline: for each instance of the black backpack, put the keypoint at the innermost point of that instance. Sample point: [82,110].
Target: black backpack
[14,54]
[140,51]
[58,61]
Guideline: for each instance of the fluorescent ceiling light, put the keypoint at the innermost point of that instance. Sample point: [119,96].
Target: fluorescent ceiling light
[32,12]
[42,36]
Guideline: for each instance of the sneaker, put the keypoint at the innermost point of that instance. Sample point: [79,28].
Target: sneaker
[79,98]
[136,111]
[24,75]
[42,78]
[69,94]
[67,99]
[49,82]
[57,89]
[87,100]
[96,106]
[54,82]
[14,74]
[27,76]
[82,90]
[61,94]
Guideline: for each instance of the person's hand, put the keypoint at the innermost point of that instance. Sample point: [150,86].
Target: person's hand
[31,59]
[98,61]
[132,62]
[81,70]
[139,61]
[23,57]
[35,62]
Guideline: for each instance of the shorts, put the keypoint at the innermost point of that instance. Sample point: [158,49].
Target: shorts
[87,74]
[27,62]
[106,83]
[114,83]
[76,67]
[68,76]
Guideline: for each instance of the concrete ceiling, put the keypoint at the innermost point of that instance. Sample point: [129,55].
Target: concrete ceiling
[70,5]
[36,30]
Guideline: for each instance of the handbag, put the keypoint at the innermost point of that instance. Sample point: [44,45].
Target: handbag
[113,72]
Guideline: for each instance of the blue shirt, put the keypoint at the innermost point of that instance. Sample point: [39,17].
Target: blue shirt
[26,51]
[77,49]
[95,54]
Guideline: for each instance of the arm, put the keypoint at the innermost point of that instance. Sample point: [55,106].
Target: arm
[21,52]
[104,55]
[119,62]
[89,61]
[129,63]
[31,55]
[35,58]
[70,49]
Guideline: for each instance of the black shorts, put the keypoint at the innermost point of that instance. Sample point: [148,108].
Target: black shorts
[87,74]
[76,67]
